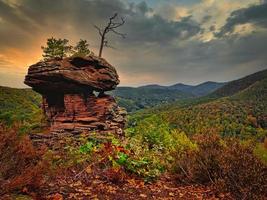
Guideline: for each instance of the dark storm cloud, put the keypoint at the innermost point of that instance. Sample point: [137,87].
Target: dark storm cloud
[255,14]
[232,51]
[158,30]
[206,19]
[212,28]
[33,17]
[25,22]
[142,7]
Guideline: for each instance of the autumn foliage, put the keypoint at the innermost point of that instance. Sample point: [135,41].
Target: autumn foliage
[21,167]
[228,165]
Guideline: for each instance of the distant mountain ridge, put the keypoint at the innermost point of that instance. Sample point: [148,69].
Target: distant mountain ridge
[135,98]
[195,90]
[144,97]
[238,85]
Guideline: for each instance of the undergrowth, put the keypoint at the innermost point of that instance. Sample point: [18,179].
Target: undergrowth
[21,165]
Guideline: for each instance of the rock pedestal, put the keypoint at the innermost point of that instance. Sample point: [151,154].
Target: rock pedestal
[68,88]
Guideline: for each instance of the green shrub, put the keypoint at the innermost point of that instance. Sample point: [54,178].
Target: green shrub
[153,131]
[155,144]
[261,152]
[88,147]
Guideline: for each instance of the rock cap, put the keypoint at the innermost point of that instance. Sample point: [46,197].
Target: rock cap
[72,74]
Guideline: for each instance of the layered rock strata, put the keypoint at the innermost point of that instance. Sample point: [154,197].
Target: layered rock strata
[68,87]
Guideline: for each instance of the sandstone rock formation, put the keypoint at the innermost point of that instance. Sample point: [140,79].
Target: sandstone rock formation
[68,88]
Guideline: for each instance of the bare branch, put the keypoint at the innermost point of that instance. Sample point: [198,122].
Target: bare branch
[113,17]
[123,35]
[110,27]
[99,30]
[117,24]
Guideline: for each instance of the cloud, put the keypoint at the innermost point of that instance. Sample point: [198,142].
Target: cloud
[207,13]
[75,18]
[194,62]
[166,42]
[171,11]
[158,30]
[4,63]
[256,15]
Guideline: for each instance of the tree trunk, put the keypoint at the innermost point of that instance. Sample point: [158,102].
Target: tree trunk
[101,46]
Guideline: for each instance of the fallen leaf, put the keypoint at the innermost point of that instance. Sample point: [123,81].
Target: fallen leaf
[171,194]
[143,195]
[88,170]
[57,196]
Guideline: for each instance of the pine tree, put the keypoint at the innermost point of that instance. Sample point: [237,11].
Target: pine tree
[56,48]
[81,48]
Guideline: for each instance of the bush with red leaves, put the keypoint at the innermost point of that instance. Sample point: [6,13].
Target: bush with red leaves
[21,167]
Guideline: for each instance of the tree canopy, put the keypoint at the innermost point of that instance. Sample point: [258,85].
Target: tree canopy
[59,48]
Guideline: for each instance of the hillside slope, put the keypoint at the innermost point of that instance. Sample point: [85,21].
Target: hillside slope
[243,115]
[20,106]
[236,86]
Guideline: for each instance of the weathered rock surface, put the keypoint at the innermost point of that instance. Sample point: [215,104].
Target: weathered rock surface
[72,75]
[69,102]
[85,112]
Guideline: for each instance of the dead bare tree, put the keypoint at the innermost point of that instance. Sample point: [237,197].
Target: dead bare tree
[110,27]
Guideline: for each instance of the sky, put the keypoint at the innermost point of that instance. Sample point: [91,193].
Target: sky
[167,41]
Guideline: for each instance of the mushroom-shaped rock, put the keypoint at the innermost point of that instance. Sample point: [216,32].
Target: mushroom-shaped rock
[72,74]
[69,103]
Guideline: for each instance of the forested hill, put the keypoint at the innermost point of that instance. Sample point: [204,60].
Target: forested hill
[240,84]
[20,106]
